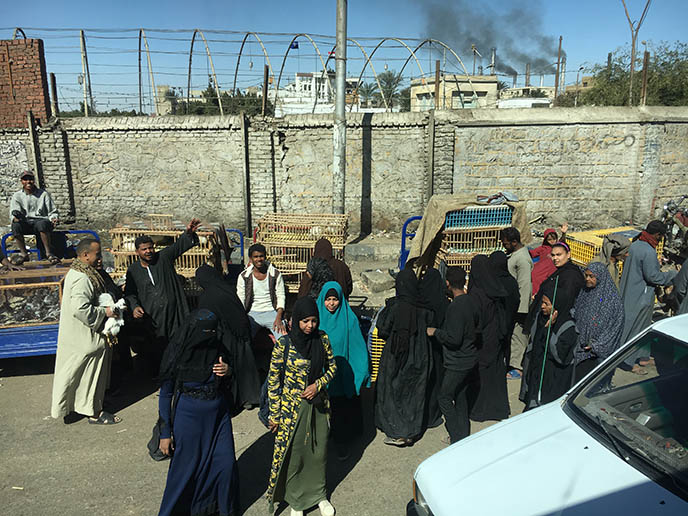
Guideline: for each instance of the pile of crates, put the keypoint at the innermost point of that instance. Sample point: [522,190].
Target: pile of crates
[164,231]
[471,231]
[586,245]
[289,239]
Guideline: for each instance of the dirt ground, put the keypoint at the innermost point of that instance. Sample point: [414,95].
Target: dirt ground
[49,467]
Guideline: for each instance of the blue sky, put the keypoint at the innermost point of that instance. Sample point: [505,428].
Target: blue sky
[590,29]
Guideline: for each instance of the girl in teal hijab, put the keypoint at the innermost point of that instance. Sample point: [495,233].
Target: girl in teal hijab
[351,355]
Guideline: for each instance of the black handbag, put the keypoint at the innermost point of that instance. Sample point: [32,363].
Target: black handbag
[154,444]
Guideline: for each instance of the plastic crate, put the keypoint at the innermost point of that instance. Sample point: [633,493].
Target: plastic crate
[586,245]
[376,346]
[479,217]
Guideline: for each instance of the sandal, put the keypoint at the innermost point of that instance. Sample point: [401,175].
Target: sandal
[54,260]
[105,418]
[638,370]
[395,442]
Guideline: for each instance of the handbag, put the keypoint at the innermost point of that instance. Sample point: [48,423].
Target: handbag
[154,444]
[264,410]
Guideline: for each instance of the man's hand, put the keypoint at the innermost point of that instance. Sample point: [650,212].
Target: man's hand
[272,426]
[166,446]
[310,392]
[220,369]
[138,312]
[192,226]
[431,331]
[278,326]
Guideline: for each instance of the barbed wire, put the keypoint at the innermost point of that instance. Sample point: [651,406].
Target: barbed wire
[238,57]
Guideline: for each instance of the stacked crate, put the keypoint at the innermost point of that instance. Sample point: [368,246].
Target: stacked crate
[289,239]
[164,232]
[32,297]
[586,245]
[471,231]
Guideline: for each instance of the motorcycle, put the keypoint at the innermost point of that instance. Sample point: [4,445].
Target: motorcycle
[675,218]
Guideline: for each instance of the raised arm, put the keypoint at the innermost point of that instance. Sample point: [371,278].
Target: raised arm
[186,241]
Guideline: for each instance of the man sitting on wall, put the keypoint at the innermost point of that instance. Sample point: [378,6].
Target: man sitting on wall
[261,290]
[33,212]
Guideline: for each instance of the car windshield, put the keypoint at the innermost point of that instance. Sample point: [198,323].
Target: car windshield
[643,415]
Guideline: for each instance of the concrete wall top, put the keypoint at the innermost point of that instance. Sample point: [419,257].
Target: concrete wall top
[564,116]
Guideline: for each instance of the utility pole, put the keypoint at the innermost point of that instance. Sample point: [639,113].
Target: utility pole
[556,77]
[635,28]
[54,106]
[643,91]
[437,84]
[83,70]
[527,75]
[575,99]
[264,106]
[339,133]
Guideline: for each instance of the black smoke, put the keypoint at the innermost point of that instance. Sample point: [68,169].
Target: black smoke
[516,32]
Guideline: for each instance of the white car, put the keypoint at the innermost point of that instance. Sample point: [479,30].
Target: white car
[603,448]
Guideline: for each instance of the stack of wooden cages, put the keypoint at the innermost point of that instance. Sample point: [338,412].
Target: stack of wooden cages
[471,231]
[31,297]
[289,239]
[163,231]
[468,232]
[586,245]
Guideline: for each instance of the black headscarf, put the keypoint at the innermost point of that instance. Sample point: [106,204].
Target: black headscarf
[433,295]
[320,273]
[220,297]
[560,299]
[195,347]
[569,281]
[485,288]
[309,346]
[498,261]
[408,300]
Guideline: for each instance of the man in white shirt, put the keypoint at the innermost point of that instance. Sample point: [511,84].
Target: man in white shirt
[33,212]
[260,288]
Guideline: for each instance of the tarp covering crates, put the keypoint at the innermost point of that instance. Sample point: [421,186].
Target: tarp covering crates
[289,239]
[586,245]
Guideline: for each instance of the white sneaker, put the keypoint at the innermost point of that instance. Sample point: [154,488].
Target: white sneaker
[326,508]
[296,513]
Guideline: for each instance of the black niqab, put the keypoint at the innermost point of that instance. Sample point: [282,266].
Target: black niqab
[433,296]
[190,355]
[220,297]
[485,289]
[408,300]
[309,345]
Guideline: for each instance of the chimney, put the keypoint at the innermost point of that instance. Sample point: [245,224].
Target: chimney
[562,80]
[493,63]
[480,70]
[542,80]
[515,77]
[527,75]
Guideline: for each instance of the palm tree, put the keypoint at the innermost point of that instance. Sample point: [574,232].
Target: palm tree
[366,92]
[389,86]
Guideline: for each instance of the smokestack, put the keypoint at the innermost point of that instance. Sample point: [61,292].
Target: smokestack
[493,64]
[480,70]
[527,75]
[515,77]
[562,80]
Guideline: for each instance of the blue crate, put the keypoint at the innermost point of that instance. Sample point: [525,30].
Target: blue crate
[479,217]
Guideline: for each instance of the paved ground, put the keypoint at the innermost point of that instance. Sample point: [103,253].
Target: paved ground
[52,468]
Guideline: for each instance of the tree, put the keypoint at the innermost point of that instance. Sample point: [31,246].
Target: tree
[389,87]
[366,92]
[405,99]
[667,79]
[635,28]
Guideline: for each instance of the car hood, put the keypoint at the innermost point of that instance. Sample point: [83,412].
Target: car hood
[538,463]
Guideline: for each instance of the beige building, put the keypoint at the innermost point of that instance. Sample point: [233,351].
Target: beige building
[547,92]
[456,92]
[586,83]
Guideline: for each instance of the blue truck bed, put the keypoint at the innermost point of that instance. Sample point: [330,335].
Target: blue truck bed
[27,341]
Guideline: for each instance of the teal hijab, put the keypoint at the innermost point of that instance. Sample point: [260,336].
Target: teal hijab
[349,348]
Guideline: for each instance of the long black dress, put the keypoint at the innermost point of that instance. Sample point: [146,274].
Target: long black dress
[549,360]
[203,477]
[487,394]
[219,296]
[406,362]
[510,303]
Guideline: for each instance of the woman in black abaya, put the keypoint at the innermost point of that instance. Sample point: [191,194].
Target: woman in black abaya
[498,261]
[219,296]
[405,365]
[488,397]
[197,433]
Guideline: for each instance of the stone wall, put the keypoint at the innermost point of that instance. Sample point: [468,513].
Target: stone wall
[587,165]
